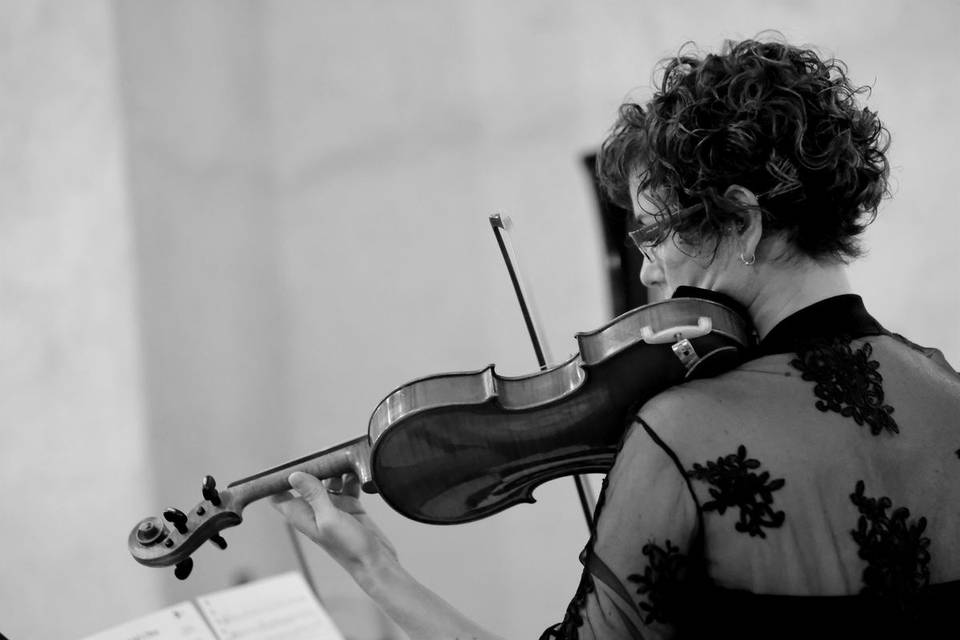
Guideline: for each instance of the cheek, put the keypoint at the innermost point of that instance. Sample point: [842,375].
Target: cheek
[669,268]
[681,269]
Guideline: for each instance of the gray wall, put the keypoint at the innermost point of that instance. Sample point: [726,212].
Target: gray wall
[229,229]
[74,461]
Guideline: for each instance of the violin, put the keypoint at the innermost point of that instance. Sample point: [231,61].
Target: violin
[457,447]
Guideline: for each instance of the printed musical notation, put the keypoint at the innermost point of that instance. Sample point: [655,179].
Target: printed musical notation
[277,608]
[180,622]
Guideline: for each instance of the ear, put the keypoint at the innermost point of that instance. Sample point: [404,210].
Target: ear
[750,229]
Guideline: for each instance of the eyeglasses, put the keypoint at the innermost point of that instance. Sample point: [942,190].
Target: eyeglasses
[649,236]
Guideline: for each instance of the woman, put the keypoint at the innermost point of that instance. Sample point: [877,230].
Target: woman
[811,491]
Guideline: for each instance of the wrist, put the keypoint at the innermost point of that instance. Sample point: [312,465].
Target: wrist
[416,609]
[381,576]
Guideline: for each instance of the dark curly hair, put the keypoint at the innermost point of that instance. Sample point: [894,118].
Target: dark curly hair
[768,116]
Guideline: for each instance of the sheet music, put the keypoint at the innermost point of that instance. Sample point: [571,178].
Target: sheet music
[278,608]
[179,622]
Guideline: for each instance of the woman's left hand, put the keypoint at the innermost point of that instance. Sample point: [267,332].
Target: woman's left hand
[330,514]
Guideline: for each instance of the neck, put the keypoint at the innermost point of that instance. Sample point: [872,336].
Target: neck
[783,289]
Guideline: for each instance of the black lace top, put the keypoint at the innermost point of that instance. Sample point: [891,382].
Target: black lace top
[812,492]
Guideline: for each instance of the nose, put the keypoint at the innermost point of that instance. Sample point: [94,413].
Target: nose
[650,273]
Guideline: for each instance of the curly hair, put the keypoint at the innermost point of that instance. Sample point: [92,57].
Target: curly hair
[767,116]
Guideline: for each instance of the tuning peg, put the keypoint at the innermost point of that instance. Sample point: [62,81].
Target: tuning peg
[219,541]
[210,490]
[177,518]
[183,568]
[150,531]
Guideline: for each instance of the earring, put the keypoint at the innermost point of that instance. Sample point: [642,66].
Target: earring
[748,261]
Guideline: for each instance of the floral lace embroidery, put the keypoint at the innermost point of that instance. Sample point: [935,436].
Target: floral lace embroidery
[847,382]
[662,585]
[896,551]
[736,485]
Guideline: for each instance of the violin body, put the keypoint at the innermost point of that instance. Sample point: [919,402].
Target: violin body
[455,448]
[459,447]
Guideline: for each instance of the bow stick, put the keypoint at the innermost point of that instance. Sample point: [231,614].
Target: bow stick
[501,229]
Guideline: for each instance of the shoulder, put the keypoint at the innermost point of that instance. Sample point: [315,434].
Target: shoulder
[930,353]
[696,400]
[697,413]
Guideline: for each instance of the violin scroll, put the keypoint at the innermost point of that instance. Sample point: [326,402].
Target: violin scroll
[170,540]
[160,542]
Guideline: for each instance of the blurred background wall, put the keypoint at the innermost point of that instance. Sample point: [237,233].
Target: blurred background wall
[228,229]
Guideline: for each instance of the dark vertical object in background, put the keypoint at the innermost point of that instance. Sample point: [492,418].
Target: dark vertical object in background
[623,261]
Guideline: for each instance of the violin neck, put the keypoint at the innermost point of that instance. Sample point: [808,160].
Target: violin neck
[352,456]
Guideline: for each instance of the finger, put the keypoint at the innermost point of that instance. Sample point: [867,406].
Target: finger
[312,492]
[278,498]
[351,485]
[285,504]
[333,485]
[297,512]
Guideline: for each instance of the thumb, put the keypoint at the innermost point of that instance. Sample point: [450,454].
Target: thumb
[309,488]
